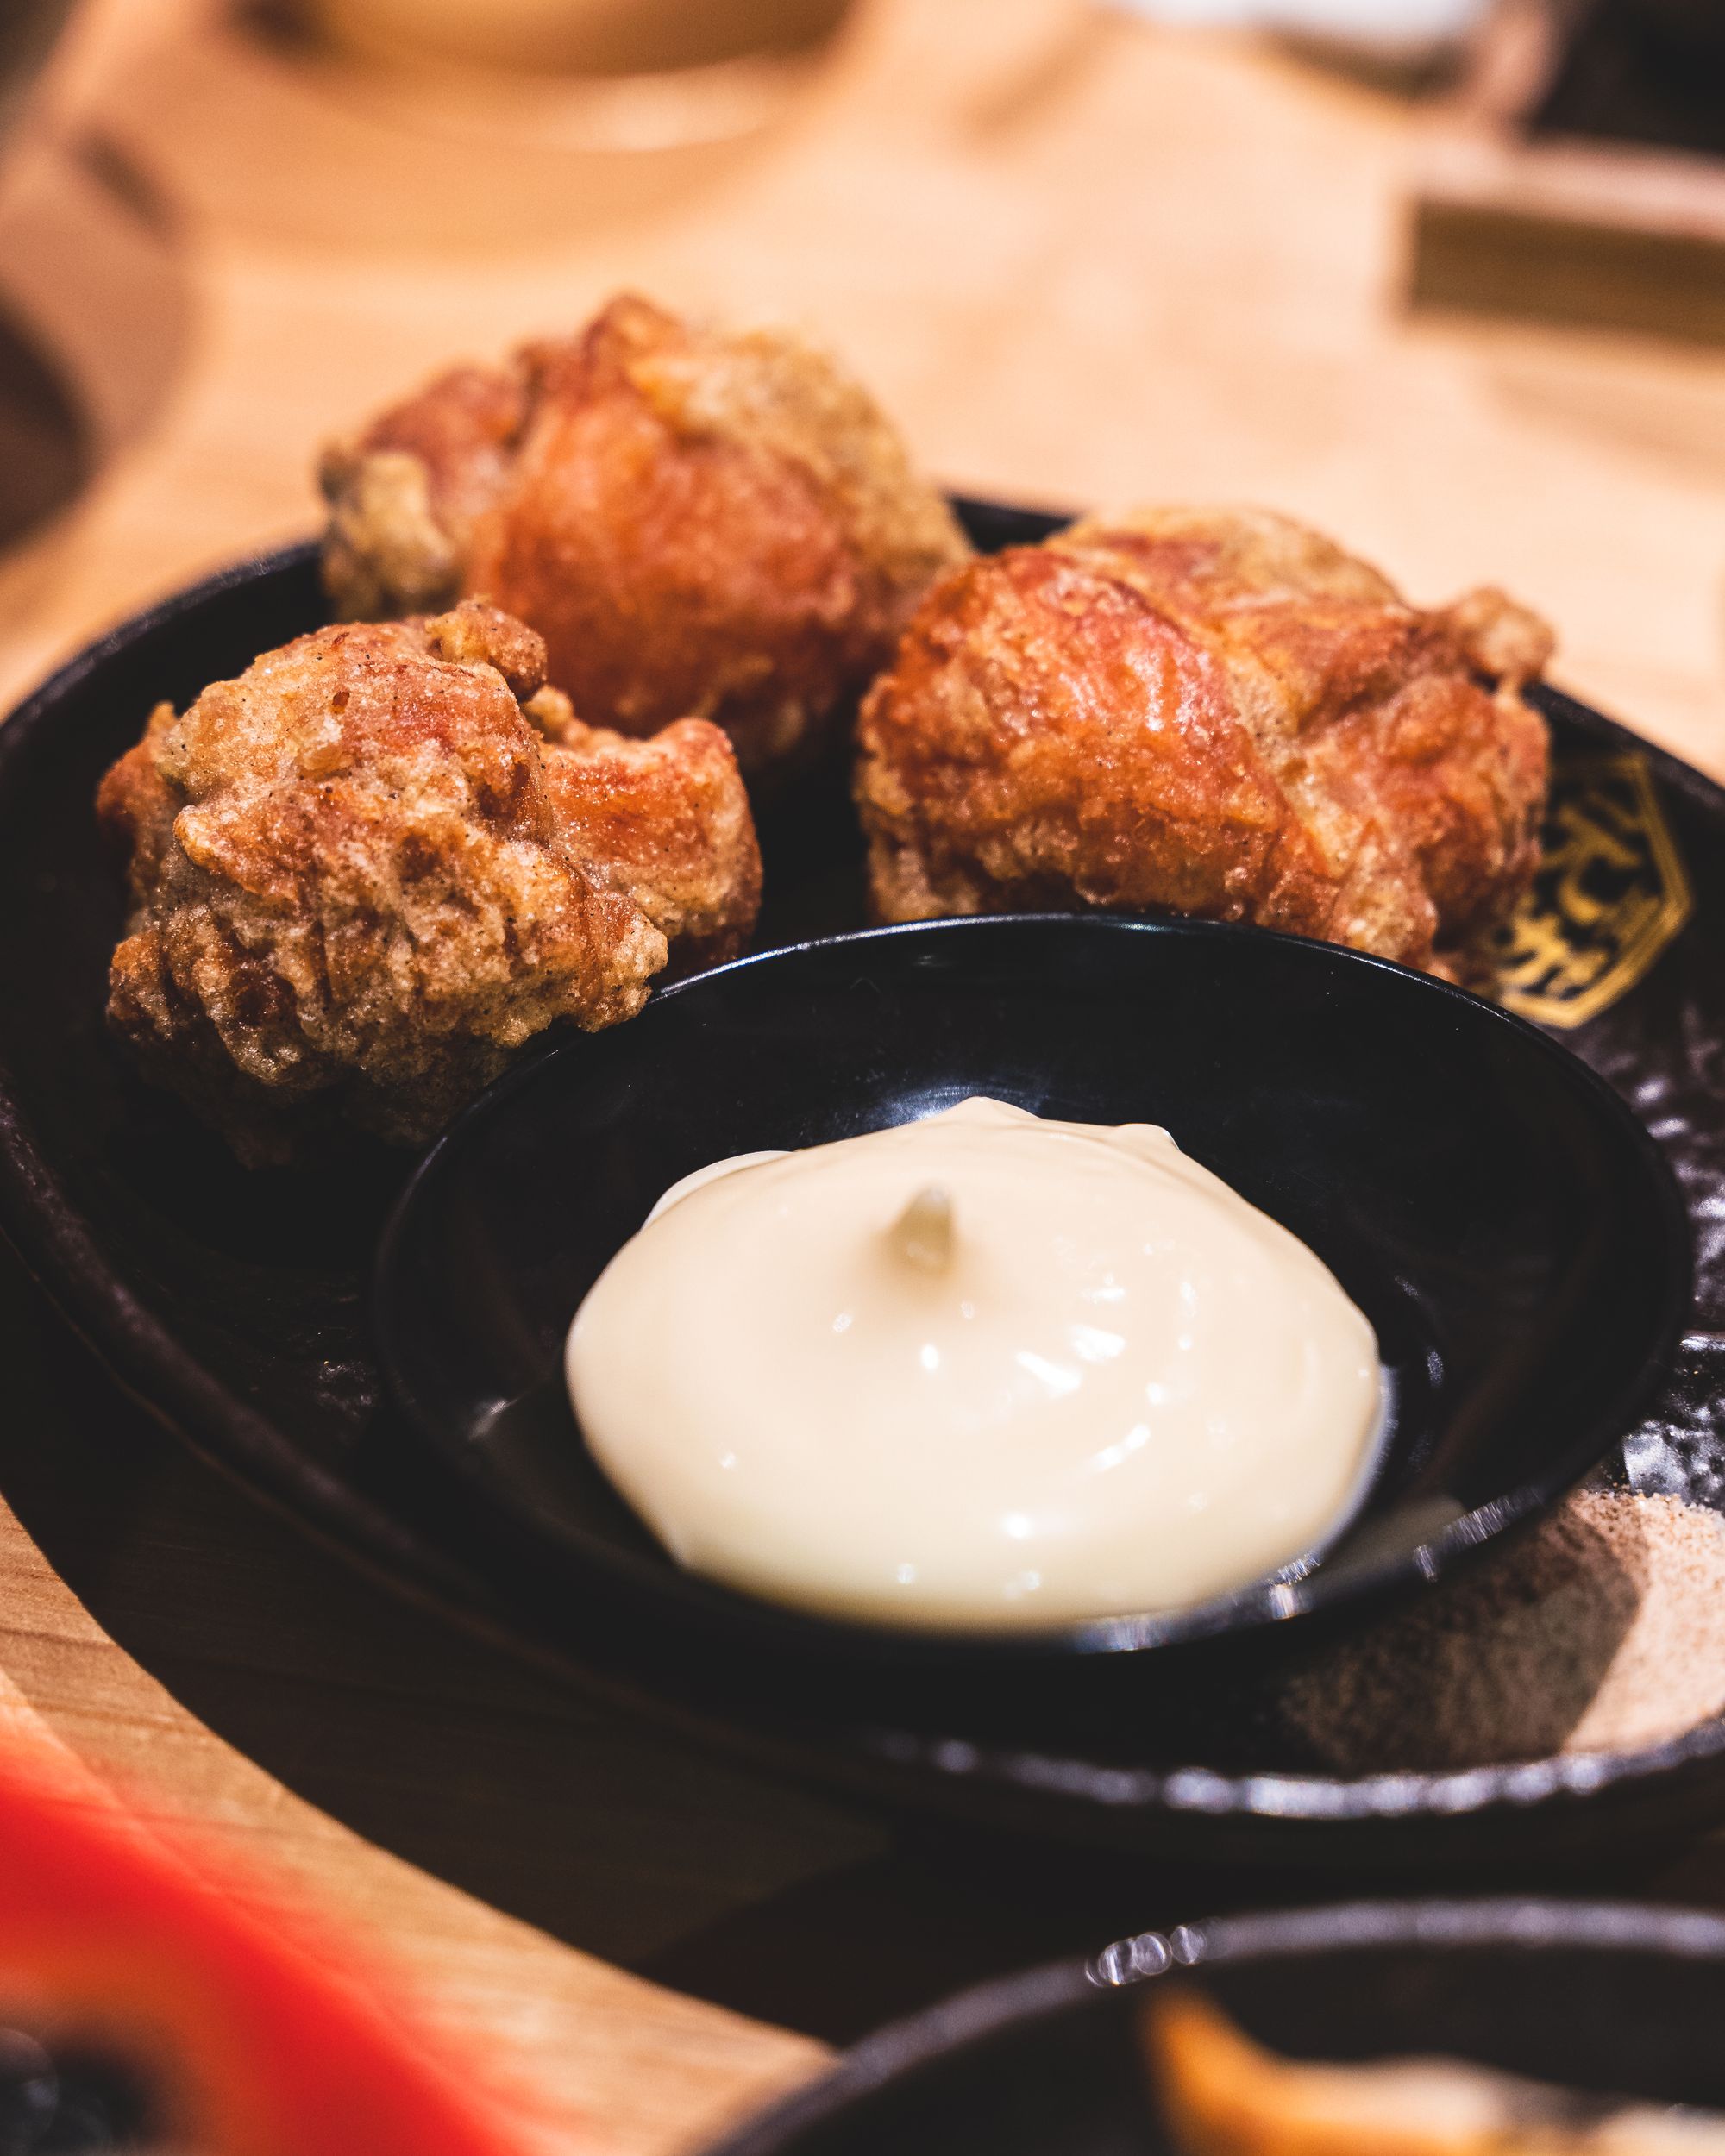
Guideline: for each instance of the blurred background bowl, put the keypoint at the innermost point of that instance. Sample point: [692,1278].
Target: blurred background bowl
[574,37]
[47,451]
[1696,27]
[1611,2000]
[28,31]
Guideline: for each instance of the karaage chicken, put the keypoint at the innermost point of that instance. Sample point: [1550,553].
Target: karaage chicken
[722,526]
[1222,2094]
[1216,713]
[367,870]
[665,819]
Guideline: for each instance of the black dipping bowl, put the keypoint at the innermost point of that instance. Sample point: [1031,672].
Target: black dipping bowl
[1505,1222]
[1612,2000]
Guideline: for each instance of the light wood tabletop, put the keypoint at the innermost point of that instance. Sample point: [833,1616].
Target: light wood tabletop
[1082,261]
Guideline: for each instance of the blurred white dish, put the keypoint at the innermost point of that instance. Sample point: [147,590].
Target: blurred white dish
[597,37]
[1401,32]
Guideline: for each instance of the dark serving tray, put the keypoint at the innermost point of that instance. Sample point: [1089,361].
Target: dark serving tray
[233,1304]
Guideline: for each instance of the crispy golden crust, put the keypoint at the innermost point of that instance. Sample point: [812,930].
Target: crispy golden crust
[1221,2094]
[404,499]
[665,820]
[718,526]
[355,886]
[1220,714]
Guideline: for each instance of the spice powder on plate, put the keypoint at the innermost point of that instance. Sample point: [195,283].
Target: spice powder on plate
[1603,1629]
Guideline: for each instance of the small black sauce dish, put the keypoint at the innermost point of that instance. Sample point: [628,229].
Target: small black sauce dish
[1504,1220]
[1608,2000]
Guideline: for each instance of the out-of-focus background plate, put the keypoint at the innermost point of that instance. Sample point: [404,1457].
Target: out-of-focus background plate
[1612,2000]
[234,1304]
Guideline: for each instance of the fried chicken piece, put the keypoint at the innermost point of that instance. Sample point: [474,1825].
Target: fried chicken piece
[665,820]
[359,878]
[1216,713]
[698,524]
[1223,2095]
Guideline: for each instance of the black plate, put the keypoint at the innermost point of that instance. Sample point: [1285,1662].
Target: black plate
[1497,1212]
[235,1305]
[1608,1999]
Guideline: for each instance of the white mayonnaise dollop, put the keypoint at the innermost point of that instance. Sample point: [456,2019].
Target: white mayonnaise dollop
[983,1370]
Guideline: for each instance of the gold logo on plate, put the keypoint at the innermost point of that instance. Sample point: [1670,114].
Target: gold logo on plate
[1609,894]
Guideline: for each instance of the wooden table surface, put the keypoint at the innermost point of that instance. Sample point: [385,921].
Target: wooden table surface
[1083,262]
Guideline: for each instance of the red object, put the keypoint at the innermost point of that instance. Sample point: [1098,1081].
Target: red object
[250,2038]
